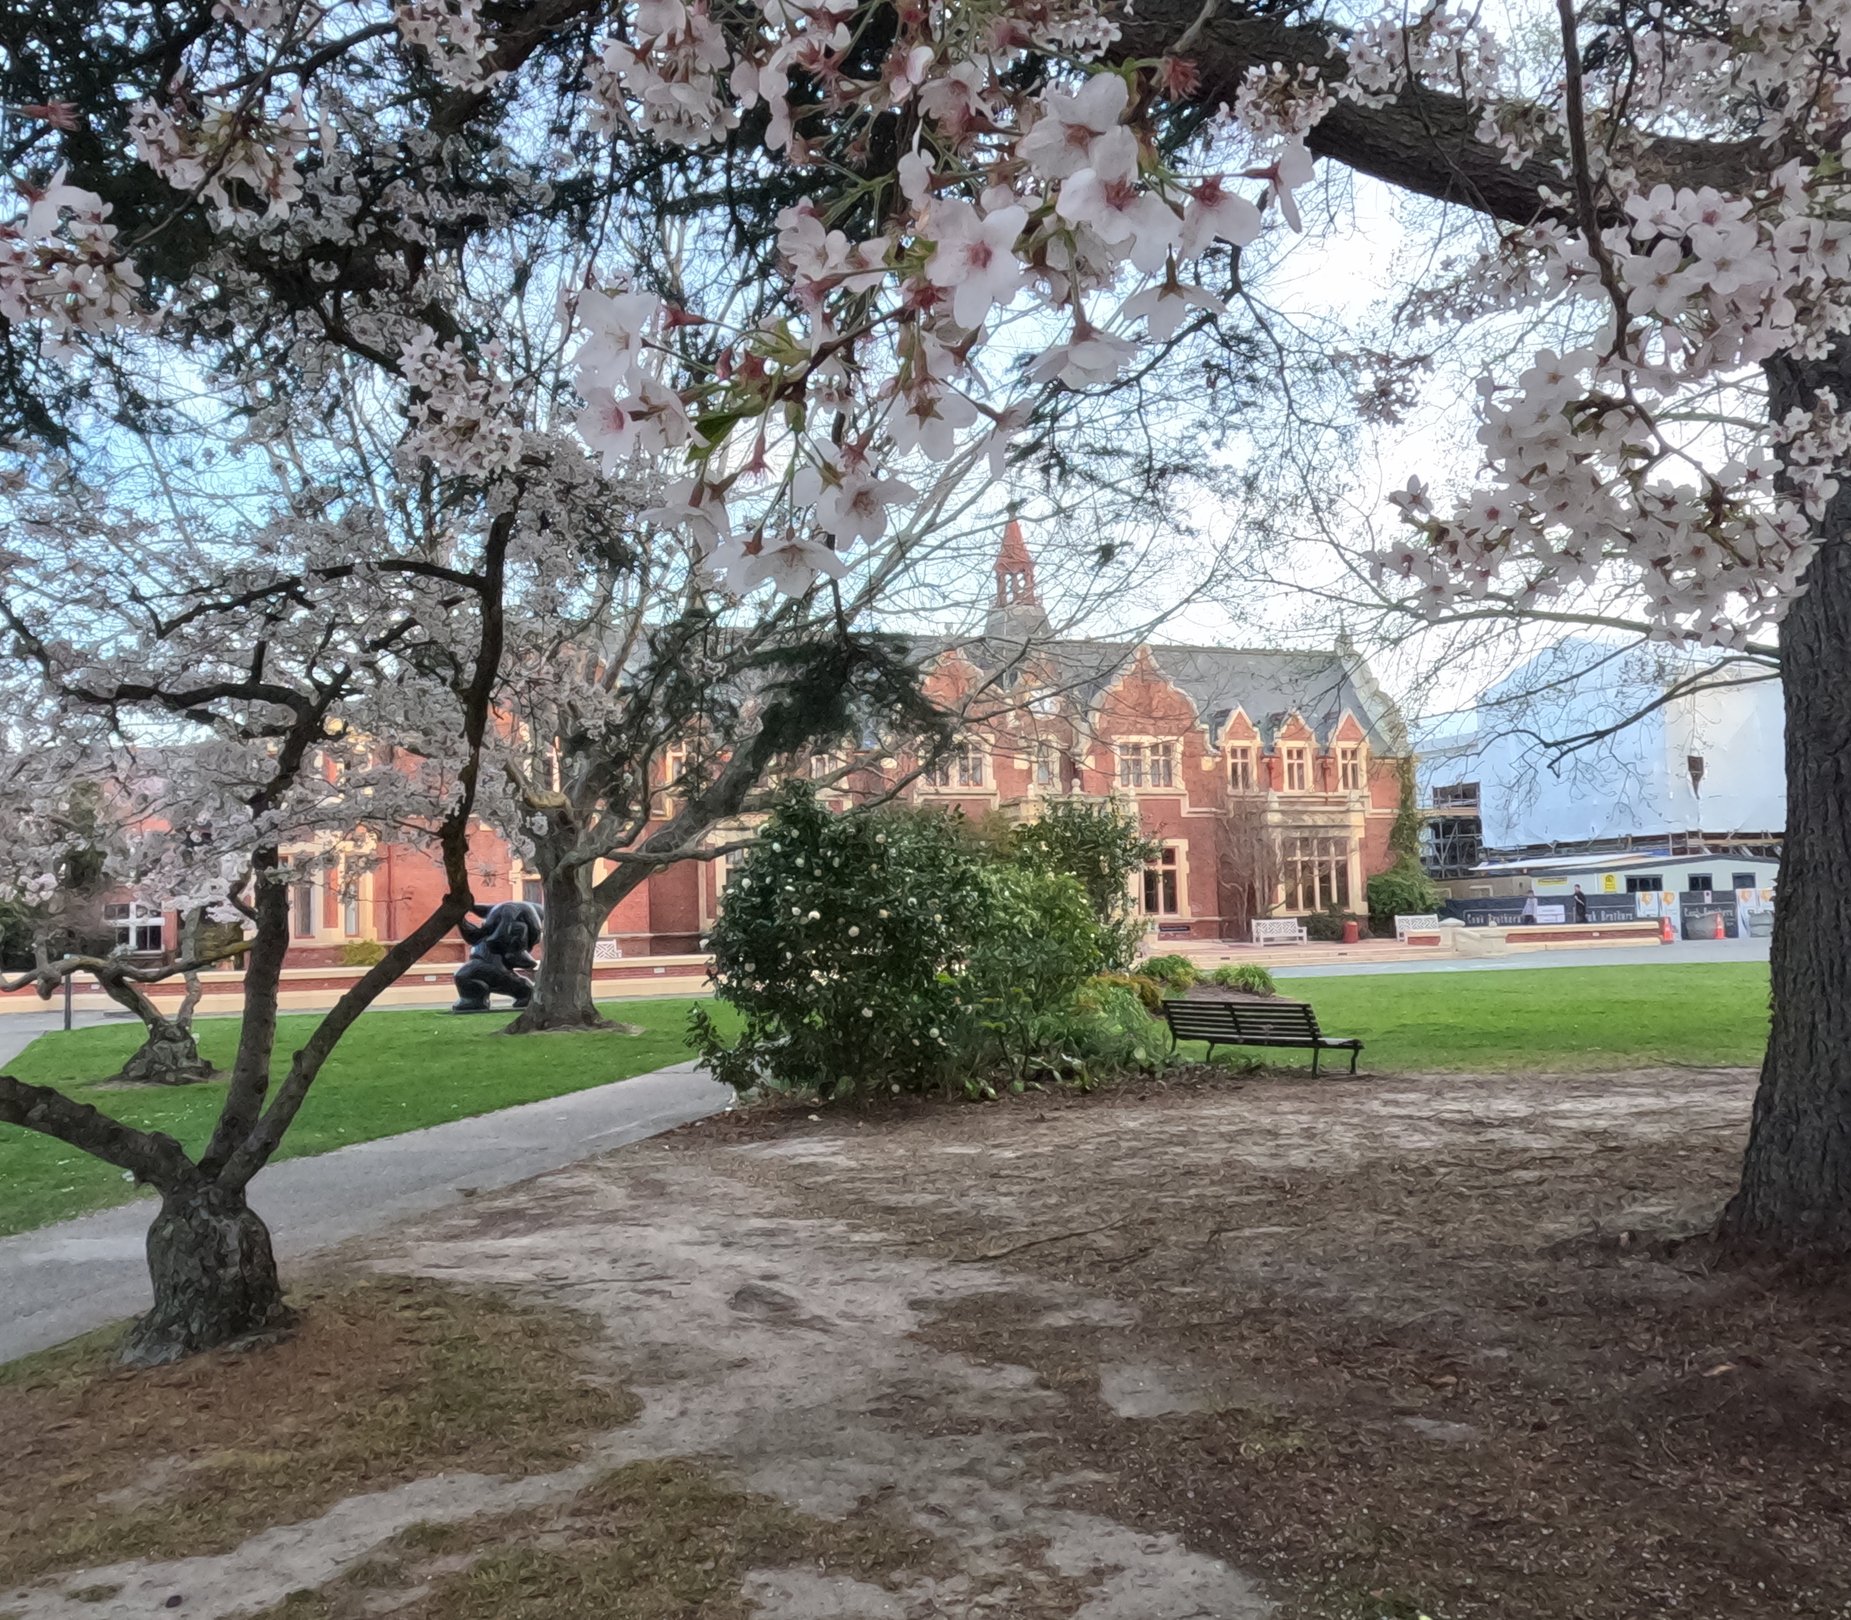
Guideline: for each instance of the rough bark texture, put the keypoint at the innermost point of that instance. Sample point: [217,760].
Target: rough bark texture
[1796,1174]
[1422,142]
[562,997]
[214,1276]
[168,1057]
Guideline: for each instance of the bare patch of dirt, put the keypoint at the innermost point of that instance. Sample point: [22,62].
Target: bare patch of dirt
[1405,1345]
[642,1542]
[383,1382]
[1213,1346]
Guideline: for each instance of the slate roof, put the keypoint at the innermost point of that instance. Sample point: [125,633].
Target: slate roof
[1269,685]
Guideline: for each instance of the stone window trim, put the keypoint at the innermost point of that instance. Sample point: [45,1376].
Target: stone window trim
[1352,767]
[963,768]
[1295,766]
[1145,764]
[1162,887]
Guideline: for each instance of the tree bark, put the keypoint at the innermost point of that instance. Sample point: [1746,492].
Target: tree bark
[1795,1194]
[168,1057]
[214,1276]
[562,997]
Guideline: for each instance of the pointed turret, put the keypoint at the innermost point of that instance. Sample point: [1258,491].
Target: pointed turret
[1016,613]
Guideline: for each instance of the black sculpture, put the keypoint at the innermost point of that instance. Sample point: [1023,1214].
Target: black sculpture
[498,945]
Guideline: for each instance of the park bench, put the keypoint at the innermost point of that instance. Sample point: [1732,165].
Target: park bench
[1254,1023]
[1279,931]
[1407,926]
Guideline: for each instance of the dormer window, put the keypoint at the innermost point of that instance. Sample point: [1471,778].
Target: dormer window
[1350,767]
[1243,771]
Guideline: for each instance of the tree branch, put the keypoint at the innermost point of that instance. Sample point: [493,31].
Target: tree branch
[149,1156]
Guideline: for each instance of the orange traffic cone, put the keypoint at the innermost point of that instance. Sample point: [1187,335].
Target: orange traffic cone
[1721,932]
[1665,931]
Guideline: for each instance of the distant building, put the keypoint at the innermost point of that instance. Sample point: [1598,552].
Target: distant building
[1622,770]
[1268,780]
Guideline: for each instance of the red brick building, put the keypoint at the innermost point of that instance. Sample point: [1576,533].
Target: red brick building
[1268,778]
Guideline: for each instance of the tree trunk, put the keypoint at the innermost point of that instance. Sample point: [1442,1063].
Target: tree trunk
[562,985]
[1796,1175]
[214,1276]
[168,1057]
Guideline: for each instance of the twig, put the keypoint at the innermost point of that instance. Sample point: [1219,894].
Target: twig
[1194,31]
[1052,1237]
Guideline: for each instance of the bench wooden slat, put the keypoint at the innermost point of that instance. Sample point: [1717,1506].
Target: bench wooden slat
[1255,1023]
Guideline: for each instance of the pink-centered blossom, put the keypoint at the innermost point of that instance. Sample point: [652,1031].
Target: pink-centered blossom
[974,259]
[1059,142]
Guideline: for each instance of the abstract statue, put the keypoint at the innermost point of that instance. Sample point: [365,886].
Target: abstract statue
[499,945]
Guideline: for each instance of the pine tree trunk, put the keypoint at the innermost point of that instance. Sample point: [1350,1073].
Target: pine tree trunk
[1795,1194]
[562,996]
[214,1276]
[168,1057]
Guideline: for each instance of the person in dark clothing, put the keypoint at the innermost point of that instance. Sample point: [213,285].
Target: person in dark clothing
[1580,905]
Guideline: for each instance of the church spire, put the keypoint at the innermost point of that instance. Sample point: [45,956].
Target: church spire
[1016,613]
[1015,571]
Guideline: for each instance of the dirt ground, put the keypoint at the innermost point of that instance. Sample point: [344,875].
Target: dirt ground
[1217,1347]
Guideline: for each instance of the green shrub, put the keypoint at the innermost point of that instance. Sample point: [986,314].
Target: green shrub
[1327,926]
[1403,890]
[362,953]
[842,943]
[1173,972]
[1148,991]
[1248,976]
[1037,945]
[905,950]
[1103,847]
[1108,1031]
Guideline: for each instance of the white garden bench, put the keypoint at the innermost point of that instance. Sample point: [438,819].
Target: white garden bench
[1407,927]
[1279,931]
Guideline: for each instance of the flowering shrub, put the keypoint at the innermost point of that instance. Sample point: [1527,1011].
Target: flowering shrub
[842,942]
[894,951]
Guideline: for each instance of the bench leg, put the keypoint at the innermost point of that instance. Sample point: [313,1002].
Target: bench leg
[1355,1053]
[1315,1054]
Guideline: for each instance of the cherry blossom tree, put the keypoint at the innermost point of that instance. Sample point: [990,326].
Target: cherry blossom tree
[934,204]
[227,702]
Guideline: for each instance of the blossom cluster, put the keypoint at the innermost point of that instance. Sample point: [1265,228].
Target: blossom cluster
[60,269]
[1010,204]
[242,161]
[449,32]
[1032,194]
[459,416]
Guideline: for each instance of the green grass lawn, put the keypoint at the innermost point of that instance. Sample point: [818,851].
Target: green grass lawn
[394,1071]
[1544,1018]
[398,1071]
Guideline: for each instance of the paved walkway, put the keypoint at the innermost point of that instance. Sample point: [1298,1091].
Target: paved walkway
[1681,951]
[65,1279]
